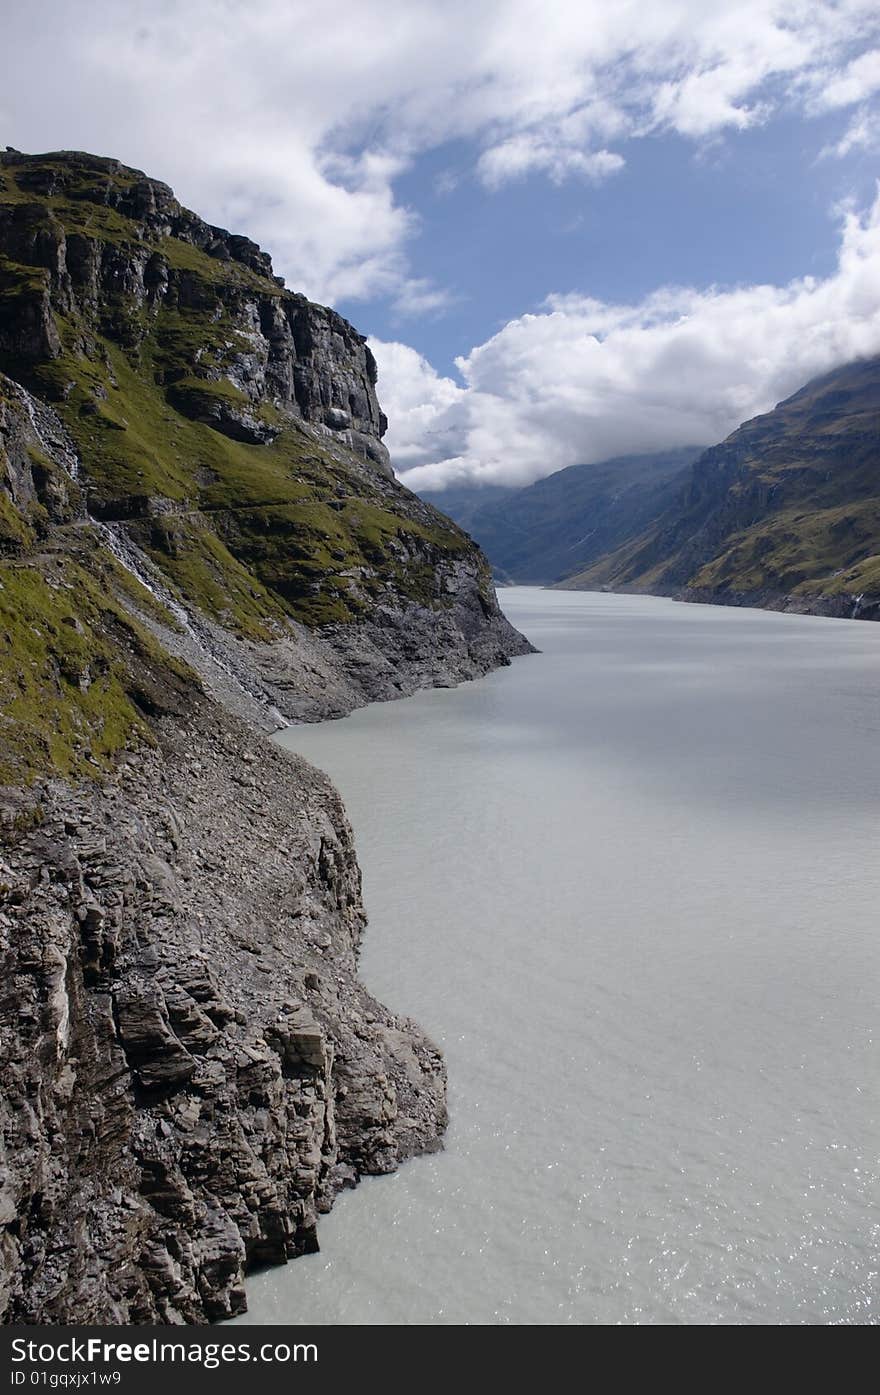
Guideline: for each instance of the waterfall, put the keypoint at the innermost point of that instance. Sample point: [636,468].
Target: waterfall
[133,560]
[49,432]
[138,564]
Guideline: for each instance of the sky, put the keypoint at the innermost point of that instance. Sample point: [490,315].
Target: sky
[571,229]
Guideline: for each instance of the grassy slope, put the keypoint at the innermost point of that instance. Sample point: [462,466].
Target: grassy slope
[260,531]
[789,504]
[79,677]
[249,533]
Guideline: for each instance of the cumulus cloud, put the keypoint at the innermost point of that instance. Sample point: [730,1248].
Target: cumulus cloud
[426,412]
[293,121]
[586,380]
[527,153]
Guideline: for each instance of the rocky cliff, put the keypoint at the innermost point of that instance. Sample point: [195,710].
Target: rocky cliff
[109,249]
[200,537]
[229,431]
[784,514]
[190,1069]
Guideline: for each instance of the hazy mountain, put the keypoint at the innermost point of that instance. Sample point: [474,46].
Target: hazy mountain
[785,512]
[563,522]
[464,502]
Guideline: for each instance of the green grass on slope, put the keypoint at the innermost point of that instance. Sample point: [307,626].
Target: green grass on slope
[824,552]
[789,503]
[284,527]
[79,205]
[77,674]
[250,533]
[15,533]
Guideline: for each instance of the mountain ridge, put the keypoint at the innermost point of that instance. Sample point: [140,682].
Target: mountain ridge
[539,534]
[785,513]
[227,435]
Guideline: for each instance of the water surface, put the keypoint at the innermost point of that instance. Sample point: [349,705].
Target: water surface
[631,885]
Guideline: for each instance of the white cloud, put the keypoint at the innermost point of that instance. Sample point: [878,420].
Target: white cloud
[292,121]
[421,406]
[528,153]
[858,80]
[862,133]
[420,296]
[585,380]
[704,103]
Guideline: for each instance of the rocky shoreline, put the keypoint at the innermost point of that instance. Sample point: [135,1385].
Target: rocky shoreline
[311,675]
[832,607]
[191,1069]
[864,607]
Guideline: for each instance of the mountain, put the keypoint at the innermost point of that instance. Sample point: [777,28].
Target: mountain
[464,502]
[563,522]
[785,513]
[229,432]
[200,538]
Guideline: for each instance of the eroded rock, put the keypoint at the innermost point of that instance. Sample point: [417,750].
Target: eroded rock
[174,1106]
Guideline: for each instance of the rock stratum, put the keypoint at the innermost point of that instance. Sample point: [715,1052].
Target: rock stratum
[200,538]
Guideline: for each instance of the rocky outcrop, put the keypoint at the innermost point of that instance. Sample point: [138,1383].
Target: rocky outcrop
[190,1068]
[302,357]
[229,426]
[296,673]
[308,675]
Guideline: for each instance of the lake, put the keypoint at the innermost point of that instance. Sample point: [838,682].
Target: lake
[631,886]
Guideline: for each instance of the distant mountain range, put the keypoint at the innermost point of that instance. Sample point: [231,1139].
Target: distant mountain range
[464,502]
[785,513]
[567,521]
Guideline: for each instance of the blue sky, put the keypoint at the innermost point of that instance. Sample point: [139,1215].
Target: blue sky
[571,228]
[754,207]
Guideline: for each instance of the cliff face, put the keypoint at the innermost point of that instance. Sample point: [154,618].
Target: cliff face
[226,427]
[110,249]
[785,513]
[190,1069]
[199,537]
